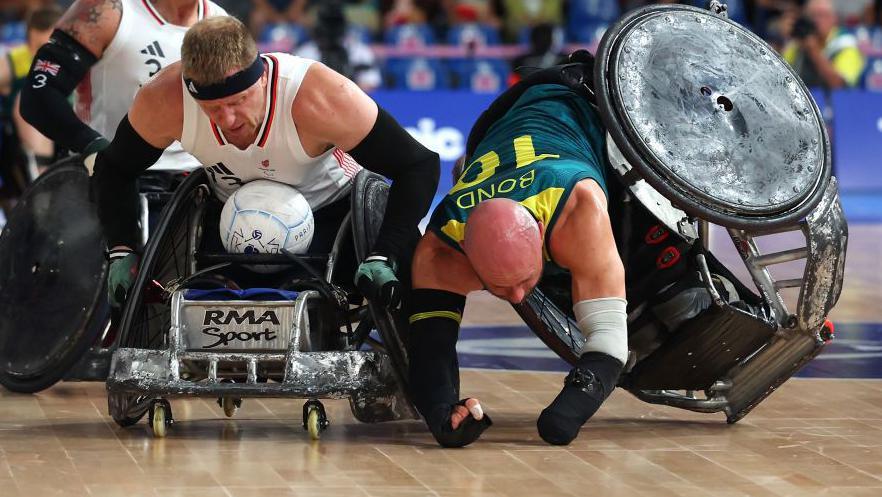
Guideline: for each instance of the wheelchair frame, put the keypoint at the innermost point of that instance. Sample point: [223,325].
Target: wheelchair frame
[787,340]
[143,375]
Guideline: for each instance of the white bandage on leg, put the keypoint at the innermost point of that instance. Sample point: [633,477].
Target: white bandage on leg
[604,323]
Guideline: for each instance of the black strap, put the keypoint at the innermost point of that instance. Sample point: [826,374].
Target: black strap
[58,68]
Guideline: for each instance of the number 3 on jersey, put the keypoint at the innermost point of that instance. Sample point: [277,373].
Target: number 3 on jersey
[525,155]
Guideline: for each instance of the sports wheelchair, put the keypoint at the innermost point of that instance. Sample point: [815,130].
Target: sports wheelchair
[706,124]
[189,329]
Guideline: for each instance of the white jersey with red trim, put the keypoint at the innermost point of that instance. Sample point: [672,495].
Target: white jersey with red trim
[143,44]
[276,153]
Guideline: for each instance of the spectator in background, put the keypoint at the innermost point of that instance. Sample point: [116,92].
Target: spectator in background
[518,15]
[820,52]
[473,11]
[343,53]
[21,143]
[542,53]
[275,11]
[242,10]
[430,12]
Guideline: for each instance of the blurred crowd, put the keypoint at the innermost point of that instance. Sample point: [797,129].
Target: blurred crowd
[468,45]
[476,44]
[472,45]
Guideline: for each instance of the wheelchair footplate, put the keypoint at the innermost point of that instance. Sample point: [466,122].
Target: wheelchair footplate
[256,345]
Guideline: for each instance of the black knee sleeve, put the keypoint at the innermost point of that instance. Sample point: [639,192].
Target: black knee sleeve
[434,328]
[585,388]
[434,370]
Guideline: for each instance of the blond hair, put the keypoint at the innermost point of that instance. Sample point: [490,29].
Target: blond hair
[214,47]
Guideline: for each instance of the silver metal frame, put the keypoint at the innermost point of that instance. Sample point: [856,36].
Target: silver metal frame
[826,236]
[800,336]
[334,374]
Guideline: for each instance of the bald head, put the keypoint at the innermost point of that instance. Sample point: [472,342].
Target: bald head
[503,243]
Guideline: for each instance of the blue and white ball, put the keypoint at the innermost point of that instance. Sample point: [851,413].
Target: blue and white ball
[265,217]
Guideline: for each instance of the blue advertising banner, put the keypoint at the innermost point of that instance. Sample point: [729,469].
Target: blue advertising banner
[440,120]
[857,140]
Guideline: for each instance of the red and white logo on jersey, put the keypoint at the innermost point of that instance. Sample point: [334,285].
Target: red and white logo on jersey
[264,167]
[46,66]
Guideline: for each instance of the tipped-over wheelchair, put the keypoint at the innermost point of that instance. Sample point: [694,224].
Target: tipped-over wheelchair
[706,124]
[199,323]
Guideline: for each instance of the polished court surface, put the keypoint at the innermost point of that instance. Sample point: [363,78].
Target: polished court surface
[818,435]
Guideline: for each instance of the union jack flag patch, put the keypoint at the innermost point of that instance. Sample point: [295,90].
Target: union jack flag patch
[46,66]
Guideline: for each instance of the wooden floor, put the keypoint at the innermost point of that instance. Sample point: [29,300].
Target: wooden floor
[813,437]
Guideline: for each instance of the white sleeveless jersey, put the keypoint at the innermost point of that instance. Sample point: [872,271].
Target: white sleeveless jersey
[143,44]
[276,153]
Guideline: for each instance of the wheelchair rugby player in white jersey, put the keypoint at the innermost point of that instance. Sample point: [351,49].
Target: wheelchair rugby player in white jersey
[248,116]
[101,52]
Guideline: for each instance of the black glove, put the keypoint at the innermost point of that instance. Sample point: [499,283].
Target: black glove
[438,421]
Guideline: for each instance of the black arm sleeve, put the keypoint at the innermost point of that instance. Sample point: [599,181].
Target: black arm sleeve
[390,150]
[115,184]
[58,68]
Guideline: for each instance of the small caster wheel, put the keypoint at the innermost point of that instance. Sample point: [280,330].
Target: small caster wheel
[230,405]
[315,421]
[160,418]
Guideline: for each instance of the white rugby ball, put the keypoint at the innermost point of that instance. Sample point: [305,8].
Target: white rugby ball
[265,217]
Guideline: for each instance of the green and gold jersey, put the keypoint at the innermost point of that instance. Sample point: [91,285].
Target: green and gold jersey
[548,141]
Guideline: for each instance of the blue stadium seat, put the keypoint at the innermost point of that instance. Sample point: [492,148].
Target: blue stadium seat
[481,75]
[869,39]
[584,15]
[418,74]
[474,34]
[13,33]
[410,36]
[872,77]
[360,33]
[589,33]
[282,37]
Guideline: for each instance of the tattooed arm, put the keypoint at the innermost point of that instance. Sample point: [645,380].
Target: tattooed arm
[93,23]
[83,33]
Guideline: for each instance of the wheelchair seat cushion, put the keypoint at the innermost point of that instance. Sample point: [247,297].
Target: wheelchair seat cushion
[243,294]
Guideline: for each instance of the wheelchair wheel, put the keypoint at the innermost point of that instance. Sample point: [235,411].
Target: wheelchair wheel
[555,328]
[369,194]
[126,409]
[52,271]
[168,259]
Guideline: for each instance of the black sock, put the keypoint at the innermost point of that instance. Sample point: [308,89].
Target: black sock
[585,389]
